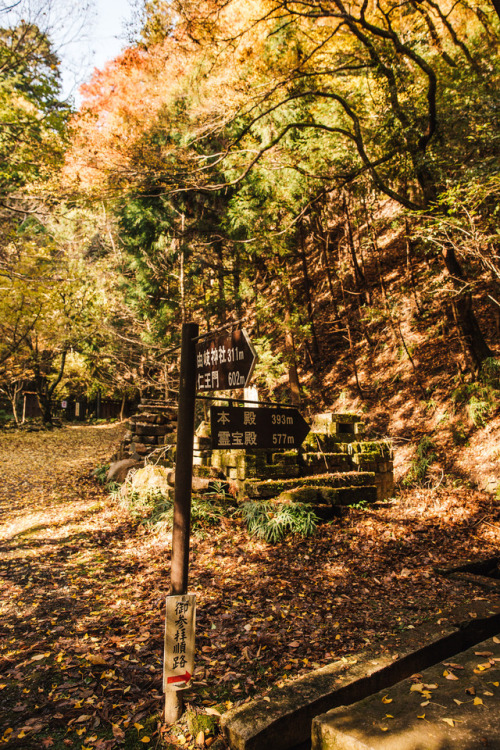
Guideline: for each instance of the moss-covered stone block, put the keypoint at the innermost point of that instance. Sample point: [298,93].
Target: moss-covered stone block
[203,430]
[376,449]
[349,495]
[323,422]
[274,487]
[204,472]
[299,495]
[327,443]
[201,461]
[288,458]
[280,471]
[320,462]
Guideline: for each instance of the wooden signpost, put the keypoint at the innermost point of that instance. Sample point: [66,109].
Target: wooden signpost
[182,492]
[211,363]
[178,664]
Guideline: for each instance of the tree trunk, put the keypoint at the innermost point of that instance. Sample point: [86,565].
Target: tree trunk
[358,273]
[307,287]
[291,358]
[463,312]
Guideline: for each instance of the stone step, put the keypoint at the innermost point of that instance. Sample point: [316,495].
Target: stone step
[331,496]
[274,487]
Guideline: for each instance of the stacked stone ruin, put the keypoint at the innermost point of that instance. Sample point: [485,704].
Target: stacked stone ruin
[150,432]
[335,466]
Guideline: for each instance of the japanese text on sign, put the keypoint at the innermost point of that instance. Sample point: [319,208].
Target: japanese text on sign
[224,362]
[179,641]
[269,428]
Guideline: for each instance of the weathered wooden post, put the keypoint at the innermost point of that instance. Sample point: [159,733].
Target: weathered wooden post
[183,487]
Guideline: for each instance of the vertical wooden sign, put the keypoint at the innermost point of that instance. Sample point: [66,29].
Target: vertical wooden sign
[178,662]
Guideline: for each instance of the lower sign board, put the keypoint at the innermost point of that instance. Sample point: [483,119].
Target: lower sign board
[258,427]
[178,663]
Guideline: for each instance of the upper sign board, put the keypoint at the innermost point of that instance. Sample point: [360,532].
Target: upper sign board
[224,362]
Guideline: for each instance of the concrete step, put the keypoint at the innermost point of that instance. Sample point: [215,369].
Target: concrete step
[454,704]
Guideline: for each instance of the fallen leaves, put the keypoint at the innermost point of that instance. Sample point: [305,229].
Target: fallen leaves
[450,722]
[92,582]
[96,660]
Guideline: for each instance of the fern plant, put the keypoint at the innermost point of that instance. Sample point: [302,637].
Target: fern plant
[424,457]
[273,521]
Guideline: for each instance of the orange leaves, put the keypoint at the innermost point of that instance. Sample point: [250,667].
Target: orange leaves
[121,104]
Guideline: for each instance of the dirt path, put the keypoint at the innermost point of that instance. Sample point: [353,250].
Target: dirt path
[68,559]
[40,474]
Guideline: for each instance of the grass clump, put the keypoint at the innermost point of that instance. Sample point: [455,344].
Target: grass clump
[149,498]
[273,521]
[480,399]
[424,457]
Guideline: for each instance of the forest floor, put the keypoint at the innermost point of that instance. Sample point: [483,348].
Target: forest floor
[83,586]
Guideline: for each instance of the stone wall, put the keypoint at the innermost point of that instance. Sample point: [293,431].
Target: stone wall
[336,465]
[151,431]
[335,446]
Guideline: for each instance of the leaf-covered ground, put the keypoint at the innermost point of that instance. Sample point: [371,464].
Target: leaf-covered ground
[83,586]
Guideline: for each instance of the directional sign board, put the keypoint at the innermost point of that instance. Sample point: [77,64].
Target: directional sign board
[178,663]
[224,362]
[259,427]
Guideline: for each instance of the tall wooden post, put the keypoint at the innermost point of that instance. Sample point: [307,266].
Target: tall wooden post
[183,487]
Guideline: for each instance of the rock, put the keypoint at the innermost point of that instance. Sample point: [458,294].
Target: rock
[119,469]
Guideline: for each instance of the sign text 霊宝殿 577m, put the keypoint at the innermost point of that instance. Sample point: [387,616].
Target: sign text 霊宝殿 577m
[261,427]
[224,362]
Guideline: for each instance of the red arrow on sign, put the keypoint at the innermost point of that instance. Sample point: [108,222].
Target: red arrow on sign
[179,678]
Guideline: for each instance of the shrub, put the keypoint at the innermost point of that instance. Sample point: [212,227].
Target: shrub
[273,521]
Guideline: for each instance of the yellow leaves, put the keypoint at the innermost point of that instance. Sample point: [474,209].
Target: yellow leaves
[138,726]
[386,699]
[451,722]
[482,667]
[421,716]
[449,675]
[96,660]
[478,701]
[39,657]
[145,739]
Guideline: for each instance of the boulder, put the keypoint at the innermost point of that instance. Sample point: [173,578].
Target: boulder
[119,469]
